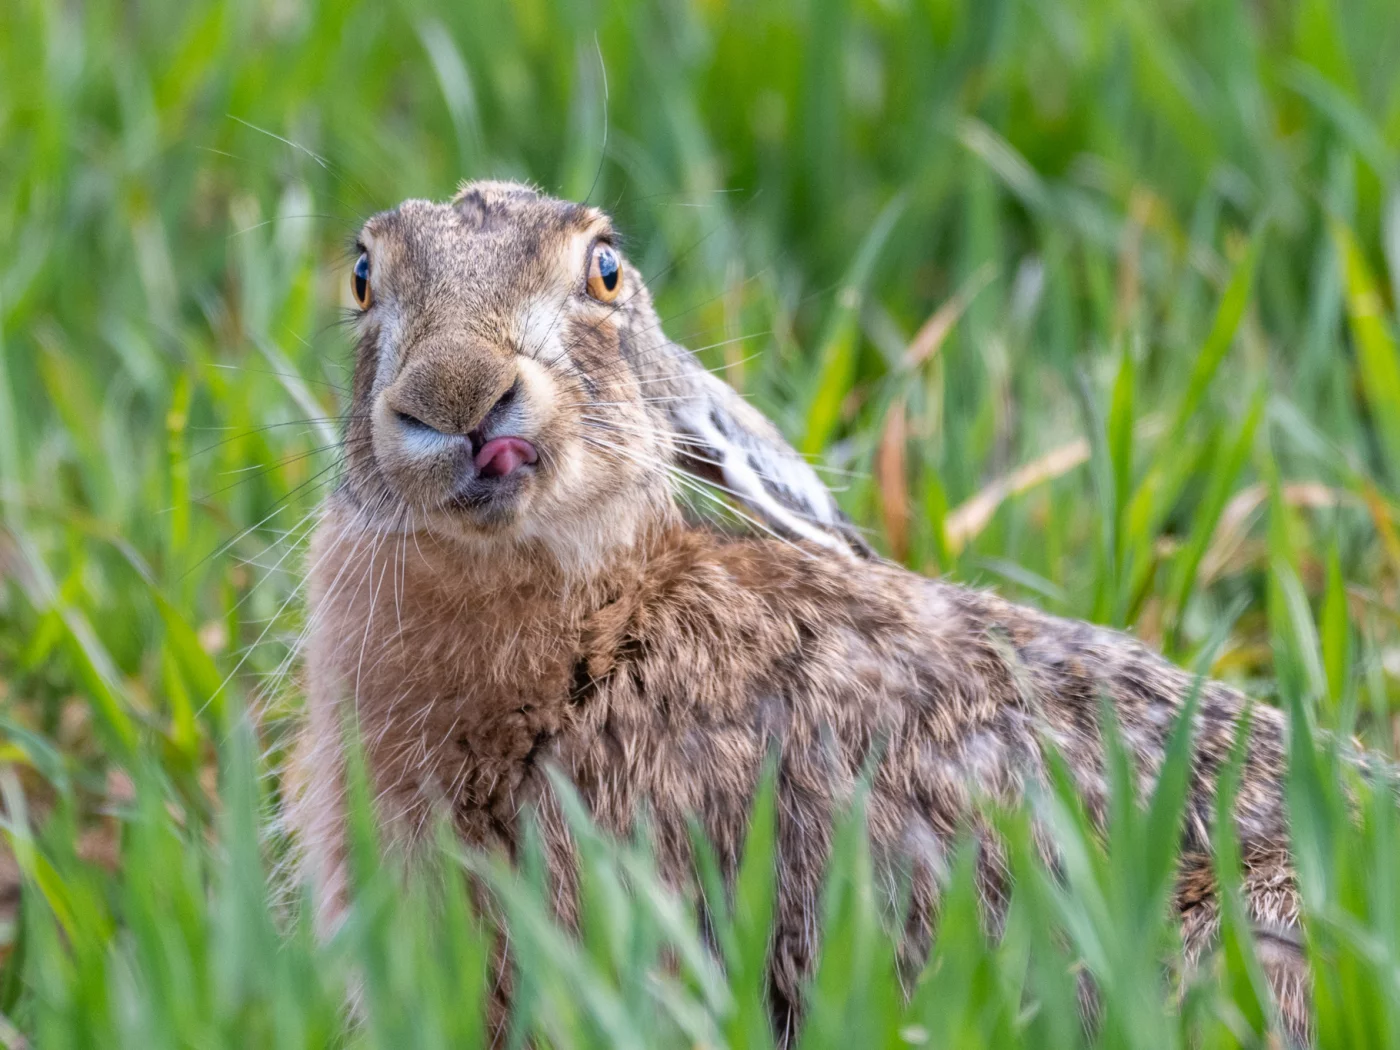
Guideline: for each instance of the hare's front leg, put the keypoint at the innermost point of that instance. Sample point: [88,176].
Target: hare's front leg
[1273,907]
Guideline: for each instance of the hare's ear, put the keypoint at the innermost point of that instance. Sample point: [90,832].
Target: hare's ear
[723,439]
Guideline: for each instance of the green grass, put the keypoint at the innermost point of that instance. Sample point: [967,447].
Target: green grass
[1091,301]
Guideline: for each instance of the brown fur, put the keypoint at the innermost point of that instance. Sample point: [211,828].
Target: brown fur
[576,619]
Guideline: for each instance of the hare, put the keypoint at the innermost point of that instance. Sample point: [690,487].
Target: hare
[505,581]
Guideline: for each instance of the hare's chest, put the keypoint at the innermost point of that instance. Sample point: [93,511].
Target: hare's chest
[455,712]
[471,710]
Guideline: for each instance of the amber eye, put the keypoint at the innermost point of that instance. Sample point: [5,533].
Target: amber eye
[604,273]
[359,282]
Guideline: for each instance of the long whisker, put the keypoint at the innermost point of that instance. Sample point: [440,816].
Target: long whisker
[338,388]
[693,485]
[241,432]
[693,450]
[277,509]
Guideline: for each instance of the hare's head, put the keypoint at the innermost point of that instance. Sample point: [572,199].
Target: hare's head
[496,393]
[513,383]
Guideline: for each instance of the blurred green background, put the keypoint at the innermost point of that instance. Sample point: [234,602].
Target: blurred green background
[1092,301]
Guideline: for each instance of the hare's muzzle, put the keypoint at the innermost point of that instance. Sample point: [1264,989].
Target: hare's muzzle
[466,461]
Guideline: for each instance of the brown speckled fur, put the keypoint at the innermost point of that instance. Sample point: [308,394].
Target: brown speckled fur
[579,620]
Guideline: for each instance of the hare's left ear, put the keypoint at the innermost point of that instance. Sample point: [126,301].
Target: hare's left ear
[723,439]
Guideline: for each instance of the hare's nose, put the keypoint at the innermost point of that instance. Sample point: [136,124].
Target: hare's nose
[451,388]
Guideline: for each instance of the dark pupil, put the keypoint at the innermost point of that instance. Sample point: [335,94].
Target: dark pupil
[362,277]
[607,269]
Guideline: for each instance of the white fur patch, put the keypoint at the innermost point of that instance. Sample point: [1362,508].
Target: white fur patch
[746,462]
[423,442]
[540,327]
[386,364]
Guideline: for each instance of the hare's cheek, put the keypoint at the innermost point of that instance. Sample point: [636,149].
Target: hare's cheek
[539,395]
[569,483]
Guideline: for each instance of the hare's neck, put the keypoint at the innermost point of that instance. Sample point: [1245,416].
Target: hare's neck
[382,583]
[403,612]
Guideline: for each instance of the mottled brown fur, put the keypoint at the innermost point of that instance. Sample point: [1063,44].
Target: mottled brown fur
[579,621]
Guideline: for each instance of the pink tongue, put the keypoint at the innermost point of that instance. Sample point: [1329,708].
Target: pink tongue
[502,456]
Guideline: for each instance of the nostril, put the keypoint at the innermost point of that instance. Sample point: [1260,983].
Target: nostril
[411,422]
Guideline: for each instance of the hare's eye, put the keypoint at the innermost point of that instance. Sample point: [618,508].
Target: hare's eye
[604,273]
[359,282]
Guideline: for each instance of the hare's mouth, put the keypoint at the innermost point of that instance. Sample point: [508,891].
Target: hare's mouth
[503,456]
[493,476]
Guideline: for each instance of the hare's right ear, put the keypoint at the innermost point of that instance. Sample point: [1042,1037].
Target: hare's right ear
[725,440]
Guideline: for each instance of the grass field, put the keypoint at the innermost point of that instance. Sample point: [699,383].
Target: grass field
[1089,301]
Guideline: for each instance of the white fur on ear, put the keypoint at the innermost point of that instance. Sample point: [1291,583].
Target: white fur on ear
[724,439]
